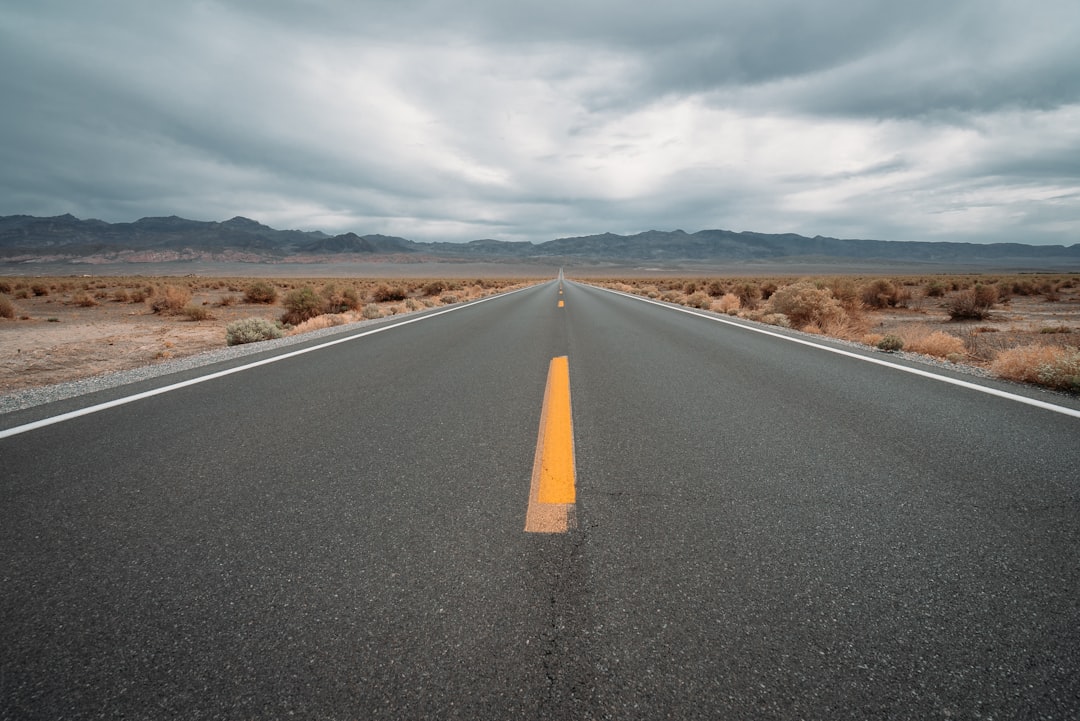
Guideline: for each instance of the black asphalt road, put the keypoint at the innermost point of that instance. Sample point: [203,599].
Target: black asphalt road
[766,530]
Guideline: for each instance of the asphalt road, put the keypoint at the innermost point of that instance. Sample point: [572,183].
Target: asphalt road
[764,530]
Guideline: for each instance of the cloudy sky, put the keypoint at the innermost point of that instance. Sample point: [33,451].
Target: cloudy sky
[464,119]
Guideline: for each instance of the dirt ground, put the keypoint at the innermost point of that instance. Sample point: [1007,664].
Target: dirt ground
[68,328]
[53,338]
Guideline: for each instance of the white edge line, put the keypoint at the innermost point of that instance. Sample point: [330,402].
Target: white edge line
[229,371]
[914,371]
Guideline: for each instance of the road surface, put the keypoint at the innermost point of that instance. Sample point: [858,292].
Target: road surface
[759,529]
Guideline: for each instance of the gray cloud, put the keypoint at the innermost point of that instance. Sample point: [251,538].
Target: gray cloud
[459,120]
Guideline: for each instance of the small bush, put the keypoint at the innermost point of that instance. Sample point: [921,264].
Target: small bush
[698,300]
[196,312]
[170,299]
[371,312]
[972,304]
[1055,329]
[226,300]
[935,289]
[1050,366]
[7,308]
[891,343]
[39,289]
[260,292]
[448,298]
[728,303]
[847,292]
[5,287]
[121,296]
[83,300]
[804,303]
[433,288]
[251,330]
[750,293]
[879,293]
[300,305]
[384,293]
[339,301]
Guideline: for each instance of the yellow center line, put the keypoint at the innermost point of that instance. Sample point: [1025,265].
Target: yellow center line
[560,304]
[551,493]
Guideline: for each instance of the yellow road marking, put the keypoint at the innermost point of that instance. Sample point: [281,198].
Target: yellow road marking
[552,493]
[560,304]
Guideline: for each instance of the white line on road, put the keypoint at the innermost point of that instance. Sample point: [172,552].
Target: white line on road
[221,374]
[896,366]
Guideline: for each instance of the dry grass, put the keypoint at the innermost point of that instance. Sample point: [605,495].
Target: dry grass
[880,310]
[170,299]
[934,343]
[1046,365]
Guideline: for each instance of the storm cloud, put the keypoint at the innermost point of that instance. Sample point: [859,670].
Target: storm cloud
[489,119]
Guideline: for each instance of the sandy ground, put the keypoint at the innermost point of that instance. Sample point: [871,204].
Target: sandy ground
[83,342]
[52,339]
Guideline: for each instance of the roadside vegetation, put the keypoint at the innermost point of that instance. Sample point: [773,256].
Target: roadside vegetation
[1023,327]
[291,305]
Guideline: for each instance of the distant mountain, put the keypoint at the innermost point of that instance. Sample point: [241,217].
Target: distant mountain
[65,238]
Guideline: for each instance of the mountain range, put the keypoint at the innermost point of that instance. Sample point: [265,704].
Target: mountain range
[65,238]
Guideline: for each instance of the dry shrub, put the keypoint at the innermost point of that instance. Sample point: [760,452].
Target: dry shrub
[337,300]
[260,292]
[935,289]
[890,342]
[881,293]
[251,330]
[196,312]
[170,299]
[371,312]
[871,338]
[728,303]
[433,288]
[384,293]
[121,295]
[7,308]
[300,305]
[846,326]
[974,303]
[804,303]
[448,298]
[847,292]
[939,344]
[750,293]
[83,300]
[1050,366]
[698,300]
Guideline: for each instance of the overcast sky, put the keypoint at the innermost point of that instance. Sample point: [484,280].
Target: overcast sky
[464,119]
